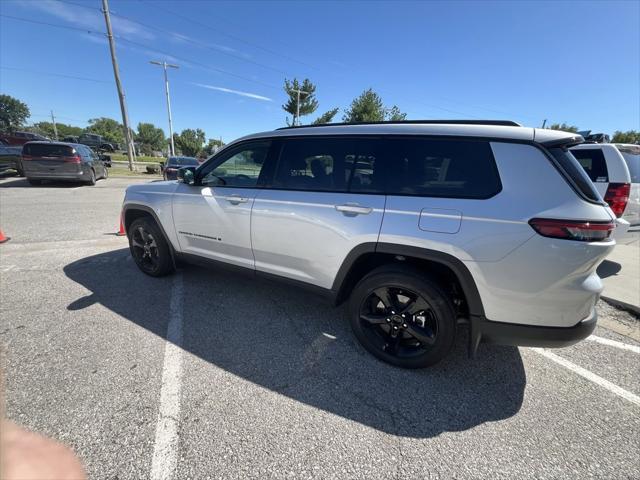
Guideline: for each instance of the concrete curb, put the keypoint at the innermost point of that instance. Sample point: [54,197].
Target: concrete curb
[633,309]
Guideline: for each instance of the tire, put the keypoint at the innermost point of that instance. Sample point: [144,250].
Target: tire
[34,182]
[423,336]
[148,247]
[106,173]
[92,178]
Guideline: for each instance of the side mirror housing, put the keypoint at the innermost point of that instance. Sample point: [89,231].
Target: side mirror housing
[187,175]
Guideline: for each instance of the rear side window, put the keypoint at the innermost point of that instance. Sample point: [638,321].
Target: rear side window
[47,150]
[575,174]
[441,168]
[593,162]
[329,164]
[633,162]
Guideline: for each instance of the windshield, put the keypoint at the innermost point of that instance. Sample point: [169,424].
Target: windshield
[183,162]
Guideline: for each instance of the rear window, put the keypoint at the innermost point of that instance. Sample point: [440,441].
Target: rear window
[47,150]
[183,161]
[593,162]
[442,168]
[633,162]
[575,174]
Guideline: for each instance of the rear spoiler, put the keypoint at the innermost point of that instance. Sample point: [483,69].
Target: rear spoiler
[556,138]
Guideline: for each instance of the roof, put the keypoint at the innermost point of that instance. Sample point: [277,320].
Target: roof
[483,130]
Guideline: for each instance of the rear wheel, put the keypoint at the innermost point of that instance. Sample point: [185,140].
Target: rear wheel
[402,318]
[149,248]
[92,178]
[106,173]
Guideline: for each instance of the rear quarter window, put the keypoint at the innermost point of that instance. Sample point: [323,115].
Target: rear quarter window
[47,150]
[593,162]
[441,168]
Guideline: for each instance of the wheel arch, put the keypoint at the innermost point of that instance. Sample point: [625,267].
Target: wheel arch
[365,257]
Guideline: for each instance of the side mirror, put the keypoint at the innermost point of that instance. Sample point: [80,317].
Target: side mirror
[187,175]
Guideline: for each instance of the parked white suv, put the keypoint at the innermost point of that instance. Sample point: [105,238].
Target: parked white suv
[421,226]
[608,171]
[631,155]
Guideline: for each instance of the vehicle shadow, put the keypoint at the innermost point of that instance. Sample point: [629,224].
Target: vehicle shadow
[21,182]
[608,269]
[295,343]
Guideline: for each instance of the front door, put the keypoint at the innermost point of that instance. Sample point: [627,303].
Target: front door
[213,217]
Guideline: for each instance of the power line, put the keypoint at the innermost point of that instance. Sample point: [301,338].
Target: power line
[55,25]
[39,72]
[239,39]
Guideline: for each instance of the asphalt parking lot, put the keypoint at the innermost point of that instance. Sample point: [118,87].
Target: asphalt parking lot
[205,374]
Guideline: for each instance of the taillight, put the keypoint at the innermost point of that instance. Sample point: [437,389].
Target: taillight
[27,157]
[573,230]
[617,197]
[74,159]
[170,169]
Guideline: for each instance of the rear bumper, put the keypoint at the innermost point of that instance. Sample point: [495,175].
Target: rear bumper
[80,176]
[531,335]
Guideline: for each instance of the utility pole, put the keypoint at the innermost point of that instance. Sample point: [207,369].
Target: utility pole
[55,129]
[116,74]
[297,119]
[164,66]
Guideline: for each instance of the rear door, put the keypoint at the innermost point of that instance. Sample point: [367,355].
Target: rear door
[50,160]
[324,199]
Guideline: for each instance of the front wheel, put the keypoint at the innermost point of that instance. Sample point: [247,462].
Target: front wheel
[402,318]
[106,173]
[149,248]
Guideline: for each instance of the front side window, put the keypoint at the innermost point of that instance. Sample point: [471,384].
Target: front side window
[441,168]
[240,167]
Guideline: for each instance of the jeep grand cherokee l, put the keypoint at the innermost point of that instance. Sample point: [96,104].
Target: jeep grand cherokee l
[420,226]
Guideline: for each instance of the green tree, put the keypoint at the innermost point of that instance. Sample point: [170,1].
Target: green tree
[630,136]
[64,130]
[211,147]
[308,102]
[13,113]
[368,107]
[395,115]
[150,138]
[326,117]
[110,129]
[564,127]
[189,142]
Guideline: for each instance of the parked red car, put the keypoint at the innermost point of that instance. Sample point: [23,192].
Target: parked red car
[20,138]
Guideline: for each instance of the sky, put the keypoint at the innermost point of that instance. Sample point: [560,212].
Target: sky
[575,62]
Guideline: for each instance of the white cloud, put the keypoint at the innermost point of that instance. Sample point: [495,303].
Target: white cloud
[92,20]
[179,37]
[234,92]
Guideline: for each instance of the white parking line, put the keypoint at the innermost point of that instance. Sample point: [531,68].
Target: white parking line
[598,380]
[165,450]
[613,343]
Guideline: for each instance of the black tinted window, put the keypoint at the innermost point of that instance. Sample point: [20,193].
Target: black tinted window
[47,150]
[329,164]
[593,162]
[575,174]
[183,161]
[441,168]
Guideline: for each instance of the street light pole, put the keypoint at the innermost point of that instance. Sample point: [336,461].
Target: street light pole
[164,66]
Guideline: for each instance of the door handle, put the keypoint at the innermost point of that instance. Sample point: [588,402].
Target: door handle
[236,199]
[352,209]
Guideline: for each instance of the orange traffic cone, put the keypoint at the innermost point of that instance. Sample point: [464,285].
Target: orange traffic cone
[3,238]
[121,232]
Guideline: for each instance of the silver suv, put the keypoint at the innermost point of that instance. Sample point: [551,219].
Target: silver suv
[420,226]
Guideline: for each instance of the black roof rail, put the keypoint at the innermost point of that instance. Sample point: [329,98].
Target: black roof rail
[503,123]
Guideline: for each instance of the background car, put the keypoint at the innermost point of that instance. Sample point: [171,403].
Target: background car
[11,159]
[97,141]
[608,171]
[170,170]
[631,155]
[61,161]
[20,138]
